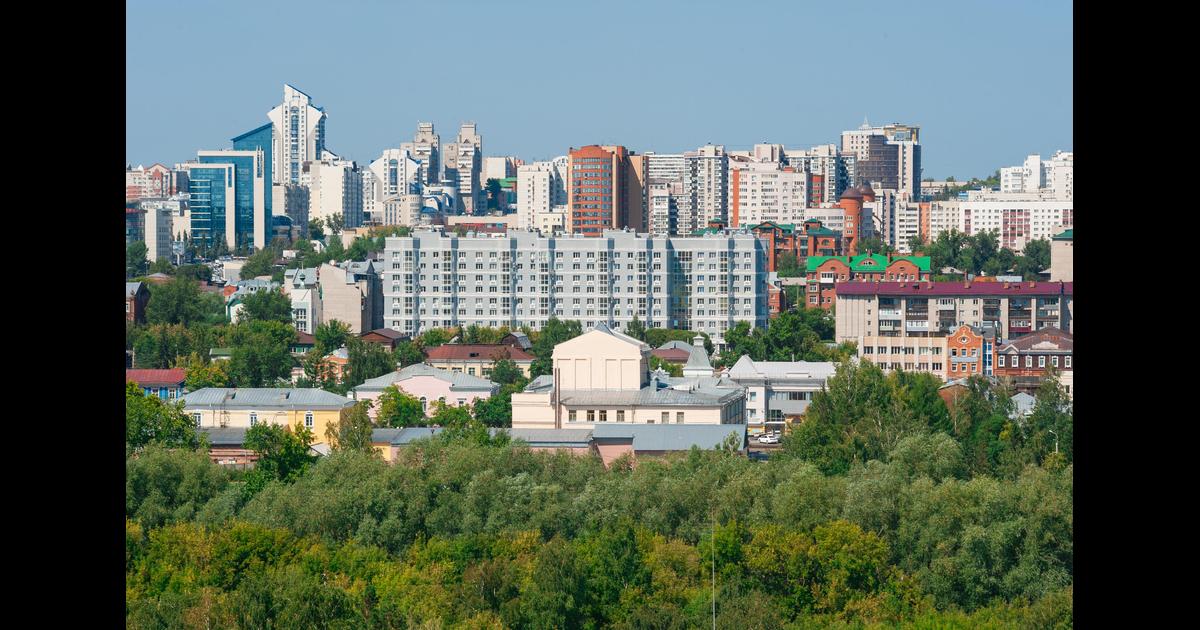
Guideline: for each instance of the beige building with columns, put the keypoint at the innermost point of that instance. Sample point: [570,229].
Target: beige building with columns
[603,376]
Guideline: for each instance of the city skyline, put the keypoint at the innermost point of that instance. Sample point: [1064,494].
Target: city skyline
[986,88]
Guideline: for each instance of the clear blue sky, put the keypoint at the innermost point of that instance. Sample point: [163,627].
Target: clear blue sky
[987,82]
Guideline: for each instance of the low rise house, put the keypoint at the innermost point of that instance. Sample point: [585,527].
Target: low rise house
[674,351]
[428,384]
[245,407]
[136,297]
[166,384]
[1027,361]
[227,446]
[608,442]
[477,359]
[304,342]
[385,337]
[303,289]
[603,376]
[778,392]
[612,441]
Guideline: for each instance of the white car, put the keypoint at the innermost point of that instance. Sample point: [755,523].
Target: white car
[768,438]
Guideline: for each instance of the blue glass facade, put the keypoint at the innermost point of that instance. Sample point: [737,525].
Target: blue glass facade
[207,188]
[259,139]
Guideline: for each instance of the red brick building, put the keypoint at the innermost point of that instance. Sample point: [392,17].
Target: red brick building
[811,239]
[1027,360]
[970,351]
[136,297]
[823,273]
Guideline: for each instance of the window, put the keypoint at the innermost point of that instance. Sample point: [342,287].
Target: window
[620,415]
[1028,361]
[1041,360]
[571,416]
[753,396]
[253,419]
[196,419]
[1001,358]
[308,420]
[591,415]
[462,401]
[679,417]
[1067,361]
[603,415]
[471,371]
[1054,361]
[666,417]
[424,405]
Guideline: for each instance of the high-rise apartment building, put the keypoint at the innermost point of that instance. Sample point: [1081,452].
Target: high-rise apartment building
[766,191]
[665,167]
[299,134]
[463,165]
[395,172]
[541,189]
[432,279]
[890,155]
[155,182]
[334,187]
[426,149]
[706,188]
[595,187]
[831,171]
[1056,175]
[663,197]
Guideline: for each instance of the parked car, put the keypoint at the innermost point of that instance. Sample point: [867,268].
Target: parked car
[768,438]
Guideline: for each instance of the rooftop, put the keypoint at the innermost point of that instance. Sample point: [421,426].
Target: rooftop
[458,381]
[781,370]
[865,262]
[954,288]
[671,437]
[265,397]
[156,378]
[476,352]
[1050,339]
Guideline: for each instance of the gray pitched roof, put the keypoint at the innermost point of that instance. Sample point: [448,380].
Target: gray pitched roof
[225,436]
[458,381]
[1023,404]
[540,384]
[698,359]
[746,368]
[264,398]
[671,437]
[577,438]
[676,344]
[131,289]
[399,437]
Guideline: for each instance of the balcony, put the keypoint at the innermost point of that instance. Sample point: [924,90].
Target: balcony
[890,325]
[889,313]
[917,325]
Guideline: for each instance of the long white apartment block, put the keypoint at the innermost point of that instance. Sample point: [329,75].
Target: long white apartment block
[703,283]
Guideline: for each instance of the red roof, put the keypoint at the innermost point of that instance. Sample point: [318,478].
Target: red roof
[954,288]
[305,339]
[475,352]
[387,333]
[173,377]
[672,355]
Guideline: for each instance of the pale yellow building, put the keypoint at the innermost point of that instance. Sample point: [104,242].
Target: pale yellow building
[603,376]
[315,409]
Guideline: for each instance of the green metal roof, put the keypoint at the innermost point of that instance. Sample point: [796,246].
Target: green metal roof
[1065,236]
[878,262]
[822,231]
